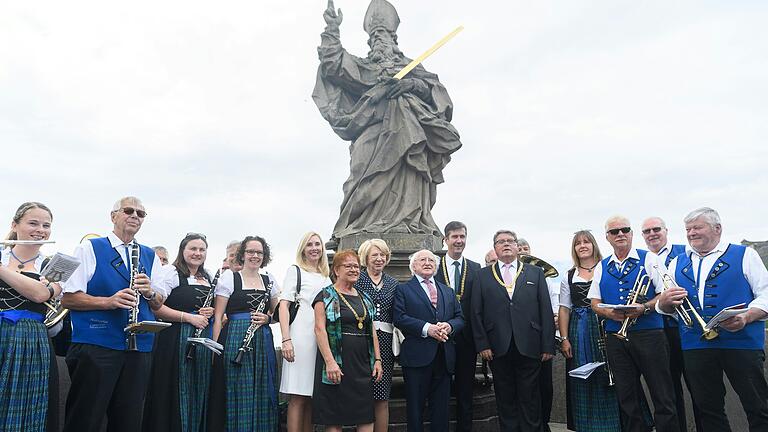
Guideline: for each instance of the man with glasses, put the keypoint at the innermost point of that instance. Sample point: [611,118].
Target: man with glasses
[514,329]
[714,275]
[655,231]
[645,351]
[107,379]
[458,272]
[429,315]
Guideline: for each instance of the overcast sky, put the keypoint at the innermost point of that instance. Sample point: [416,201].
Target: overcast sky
[569,112]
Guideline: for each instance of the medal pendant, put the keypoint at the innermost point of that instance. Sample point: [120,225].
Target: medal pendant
[360,325]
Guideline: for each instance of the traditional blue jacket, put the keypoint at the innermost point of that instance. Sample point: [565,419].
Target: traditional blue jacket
[725,286]
[674,251]
[106,327]
[616,286]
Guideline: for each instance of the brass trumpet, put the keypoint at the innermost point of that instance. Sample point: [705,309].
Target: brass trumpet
[642,282]
[686,310]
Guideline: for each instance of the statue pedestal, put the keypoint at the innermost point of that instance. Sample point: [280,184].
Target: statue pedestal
[402,246]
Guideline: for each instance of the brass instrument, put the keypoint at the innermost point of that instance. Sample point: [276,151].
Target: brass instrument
[133,313]
[602,342]
[686,310]
[246,346]
[549,270]
[642,283]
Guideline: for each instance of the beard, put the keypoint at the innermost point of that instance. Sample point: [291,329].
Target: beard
[384,51]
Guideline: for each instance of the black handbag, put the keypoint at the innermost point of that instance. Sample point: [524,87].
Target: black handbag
[293,306]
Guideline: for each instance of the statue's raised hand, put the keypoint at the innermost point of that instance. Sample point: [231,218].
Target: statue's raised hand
[331,16]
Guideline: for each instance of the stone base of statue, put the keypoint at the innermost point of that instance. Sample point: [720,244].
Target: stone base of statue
[401,245]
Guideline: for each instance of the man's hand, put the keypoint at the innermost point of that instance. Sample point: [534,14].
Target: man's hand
[615,315]
[123,299]
[445,327]
[486,354]
[671,298]
[636,311]
[546,357]
[142,284]
[735,323]
[437,333]
[332,18]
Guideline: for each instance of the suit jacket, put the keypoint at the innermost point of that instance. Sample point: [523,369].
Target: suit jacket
[412,310]
[528,315]
[468,274]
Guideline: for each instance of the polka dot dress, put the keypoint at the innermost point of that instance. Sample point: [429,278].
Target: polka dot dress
[383,297]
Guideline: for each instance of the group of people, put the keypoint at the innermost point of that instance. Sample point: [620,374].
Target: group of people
[343,324]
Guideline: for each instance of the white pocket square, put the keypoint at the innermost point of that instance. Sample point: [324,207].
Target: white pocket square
[529,282]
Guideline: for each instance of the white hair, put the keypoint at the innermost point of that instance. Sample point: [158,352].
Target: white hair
[617,218]
[412,258]
[233,243]
[710,216]
[663,224]
[119,203]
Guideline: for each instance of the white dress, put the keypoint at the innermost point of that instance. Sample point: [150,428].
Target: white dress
[298,377]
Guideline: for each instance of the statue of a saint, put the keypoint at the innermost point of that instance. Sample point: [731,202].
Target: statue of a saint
[400,130]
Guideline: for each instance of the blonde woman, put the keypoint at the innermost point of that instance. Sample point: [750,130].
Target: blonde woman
[299,347]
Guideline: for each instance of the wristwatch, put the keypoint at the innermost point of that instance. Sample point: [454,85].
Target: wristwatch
[646,309]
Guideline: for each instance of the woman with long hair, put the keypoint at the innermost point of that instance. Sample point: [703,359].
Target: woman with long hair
[244,381]
[178,393]
[303,282]
[28,371]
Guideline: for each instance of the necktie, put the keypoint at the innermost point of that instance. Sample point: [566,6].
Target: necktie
[432,292]
[509,278]
[456,277]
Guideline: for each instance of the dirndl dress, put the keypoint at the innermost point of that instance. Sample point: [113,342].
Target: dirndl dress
[177,399]
[29,393]
[244,397]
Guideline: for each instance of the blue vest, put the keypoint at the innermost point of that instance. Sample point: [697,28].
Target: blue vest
[725,286]
[674,251]
[615,288]
[106,327]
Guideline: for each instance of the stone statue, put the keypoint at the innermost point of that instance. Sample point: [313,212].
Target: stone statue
[400,130]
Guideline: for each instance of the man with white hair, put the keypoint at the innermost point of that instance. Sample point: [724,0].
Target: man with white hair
[428,314]
[643,350]
[107,378]
[715,275]
[655,231]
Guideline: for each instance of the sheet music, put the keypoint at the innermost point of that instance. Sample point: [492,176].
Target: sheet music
[730,311]
[60,267]
[618,307]
[208,343]
[583,372]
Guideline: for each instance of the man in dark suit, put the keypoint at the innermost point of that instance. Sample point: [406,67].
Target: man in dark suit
[458,273]
[514,329]
[429,315]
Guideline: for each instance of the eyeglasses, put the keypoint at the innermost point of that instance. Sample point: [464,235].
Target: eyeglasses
[194,234]
[615,231]
[654,229]
[351,266]
[505,241]
[252,252]
[130,211]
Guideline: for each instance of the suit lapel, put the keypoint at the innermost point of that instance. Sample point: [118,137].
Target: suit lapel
[421,294]
[441,300]
[520,282]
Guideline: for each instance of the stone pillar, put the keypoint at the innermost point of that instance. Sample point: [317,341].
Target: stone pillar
[402,246]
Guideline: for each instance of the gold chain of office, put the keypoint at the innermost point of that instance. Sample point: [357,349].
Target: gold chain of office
[501,282]
[464,272]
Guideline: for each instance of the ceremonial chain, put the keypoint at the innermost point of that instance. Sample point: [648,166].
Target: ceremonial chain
[357,317]
[23,263]
[501,282]
[464,272]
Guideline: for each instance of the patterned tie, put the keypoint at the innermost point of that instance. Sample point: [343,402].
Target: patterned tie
[432,292]
[456,277]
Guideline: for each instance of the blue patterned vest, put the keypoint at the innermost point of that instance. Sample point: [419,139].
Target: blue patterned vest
[105,327]
[615,288]
[725,286]
[674,251]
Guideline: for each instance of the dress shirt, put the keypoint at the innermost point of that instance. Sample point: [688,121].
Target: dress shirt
[226,285]
[425,288]
[513,272]
[78,282]
[651,260]
[449,269]
[753,268]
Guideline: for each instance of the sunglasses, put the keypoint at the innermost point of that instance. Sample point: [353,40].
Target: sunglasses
[616,231]
[654,229]
[130,211]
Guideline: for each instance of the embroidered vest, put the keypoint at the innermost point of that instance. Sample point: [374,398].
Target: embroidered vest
[616,287]
[106,327]
[725,286]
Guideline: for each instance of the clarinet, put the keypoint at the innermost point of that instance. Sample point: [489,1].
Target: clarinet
[246,346]
[206,303]
[133,314]
[601,345]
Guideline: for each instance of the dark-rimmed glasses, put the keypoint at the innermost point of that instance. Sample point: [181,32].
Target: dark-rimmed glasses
[654,229]
[129,211]
[616,231]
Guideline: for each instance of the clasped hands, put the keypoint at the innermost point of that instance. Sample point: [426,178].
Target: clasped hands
[439,331]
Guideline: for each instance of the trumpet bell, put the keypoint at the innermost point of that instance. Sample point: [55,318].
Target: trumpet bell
[55,313]
[549,270]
